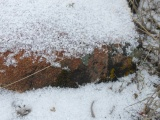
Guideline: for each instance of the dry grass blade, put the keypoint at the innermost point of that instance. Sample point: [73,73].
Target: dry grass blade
[144,29]
[5,86]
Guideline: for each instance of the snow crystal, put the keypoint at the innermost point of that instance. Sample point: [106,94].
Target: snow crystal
[74,26]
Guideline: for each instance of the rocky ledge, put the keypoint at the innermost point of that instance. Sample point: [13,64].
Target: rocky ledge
[105,64]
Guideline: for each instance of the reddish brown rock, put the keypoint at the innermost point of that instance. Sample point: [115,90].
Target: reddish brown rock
[102,64]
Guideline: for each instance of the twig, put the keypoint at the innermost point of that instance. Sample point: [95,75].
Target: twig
[113,108]
[137,102]
[92,112]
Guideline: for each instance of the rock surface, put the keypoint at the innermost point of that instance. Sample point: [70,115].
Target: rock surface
[64,43]
[104,64]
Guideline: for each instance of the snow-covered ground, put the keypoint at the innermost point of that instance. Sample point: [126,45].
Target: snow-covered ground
[111,101]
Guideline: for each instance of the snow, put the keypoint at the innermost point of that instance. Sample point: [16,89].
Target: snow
[74,26]
[111,101]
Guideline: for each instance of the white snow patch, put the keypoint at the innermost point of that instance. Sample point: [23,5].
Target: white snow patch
[2,71]
[9,60]
[110,101]
[74,26]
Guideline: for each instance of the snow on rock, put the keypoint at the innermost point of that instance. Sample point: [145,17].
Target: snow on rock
[86,36]
[73,26]
[111,101]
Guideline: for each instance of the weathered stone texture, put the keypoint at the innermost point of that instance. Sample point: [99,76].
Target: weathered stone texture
[101,65]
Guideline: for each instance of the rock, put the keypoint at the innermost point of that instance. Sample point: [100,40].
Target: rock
[62,45]
[104,64]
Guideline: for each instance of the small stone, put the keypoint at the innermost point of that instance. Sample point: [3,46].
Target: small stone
[53,109]
[135,95]
[23,111]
